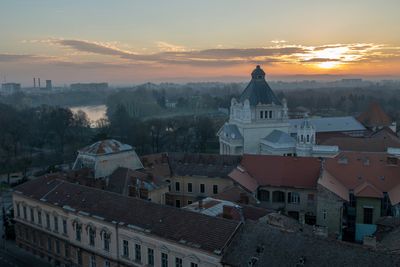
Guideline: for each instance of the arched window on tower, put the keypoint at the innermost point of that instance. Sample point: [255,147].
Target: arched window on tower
[302,138]
[308,138]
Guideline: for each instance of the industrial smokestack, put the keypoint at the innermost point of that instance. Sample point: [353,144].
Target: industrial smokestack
[34,82]
[39,82]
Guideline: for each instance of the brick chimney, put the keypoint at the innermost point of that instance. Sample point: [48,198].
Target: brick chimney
[227,212]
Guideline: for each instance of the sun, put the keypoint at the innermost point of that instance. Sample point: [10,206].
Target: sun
[328,64]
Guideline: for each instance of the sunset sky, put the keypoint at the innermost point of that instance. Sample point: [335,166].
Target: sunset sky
[127,41]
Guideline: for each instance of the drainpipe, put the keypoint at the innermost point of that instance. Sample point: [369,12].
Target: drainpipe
[117,240]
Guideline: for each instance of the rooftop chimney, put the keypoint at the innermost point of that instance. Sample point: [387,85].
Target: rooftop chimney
[34,82]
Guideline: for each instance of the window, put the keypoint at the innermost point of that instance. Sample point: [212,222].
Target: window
[92,235]
[192,264]
[177,186]
[164,260]
[215,189]
[106,239]
[150,257]
[266,114]
[49,245]
[293,197]
[178,262]
[125,250]
[138,253]
[324,214]
[78,232]
[92,261]
[107,263]
[190,187]
[308,138]
[18,210]
[202,188]
[270,114]
[57,246]
[32,215]
[263,195]
[177,203]
[55,223]
[368,215]
[64,226]
[310,197]
[278,196]
[24,209]
[261,114]
[66,250]
[39,215]
[34,237]
[79,257]
[189,202]
[48,220]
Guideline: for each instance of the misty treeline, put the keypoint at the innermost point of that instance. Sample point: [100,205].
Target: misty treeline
[343,101]
[153,118]
[39,135]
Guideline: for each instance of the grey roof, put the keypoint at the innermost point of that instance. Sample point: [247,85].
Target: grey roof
[279,137]
[120,180]
[258,90]
[270,246]
[208,165]
[329,124]
[230,131]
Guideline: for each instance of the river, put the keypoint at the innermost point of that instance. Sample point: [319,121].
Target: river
[94,113]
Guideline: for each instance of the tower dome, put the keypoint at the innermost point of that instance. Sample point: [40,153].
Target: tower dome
[258,90]
[258,73]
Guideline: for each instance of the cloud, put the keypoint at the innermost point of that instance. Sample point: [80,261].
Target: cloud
[15,57]
[91,47]
[172,54]
[167,47]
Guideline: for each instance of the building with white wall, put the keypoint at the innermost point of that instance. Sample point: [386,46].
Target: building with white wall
[259,124]
[104,157]
[73,225]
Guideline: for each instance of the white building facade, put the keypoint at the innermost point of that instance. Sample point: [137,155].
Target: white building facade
[104,157]
[259,124]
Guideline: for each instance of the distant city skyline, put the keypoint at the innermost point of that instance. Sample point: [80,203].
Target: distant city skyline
[128,42]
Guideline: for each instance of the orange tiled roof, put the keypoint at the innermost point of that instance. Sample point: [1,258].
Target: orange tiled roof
[374,116]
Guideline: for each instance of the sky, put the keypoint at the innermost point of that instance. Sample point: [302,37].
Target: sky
[128,41]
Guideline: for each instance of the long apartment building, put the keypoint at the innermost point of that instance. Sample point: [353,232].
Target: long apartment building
[75,225]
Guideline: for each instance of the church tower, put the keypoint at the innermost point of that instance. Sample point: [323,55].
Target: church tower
[305,137]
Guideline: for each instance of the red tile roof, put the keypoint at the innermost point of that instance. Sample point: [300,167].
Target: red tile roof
[377,142]
[299,172]
[374,116]
[368,174]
